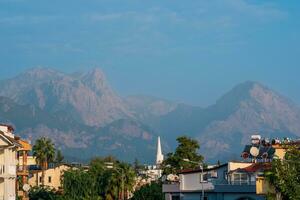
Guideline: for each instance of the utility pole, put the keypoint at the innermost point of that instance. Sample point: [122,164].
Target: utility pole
[202,173]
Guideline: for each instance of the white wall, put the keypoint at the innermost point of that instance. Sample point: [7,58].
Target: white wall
[236,165]
[191,182]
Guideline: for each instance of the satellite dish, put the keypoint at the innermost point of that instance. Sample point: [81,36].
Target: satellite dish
[26,187]
[254,151]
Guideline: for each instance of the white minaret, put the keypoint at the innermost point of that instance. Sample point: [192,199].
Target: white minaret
[159,155]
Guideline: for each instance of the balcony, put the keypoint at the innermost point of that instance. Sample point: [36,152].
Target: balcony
[22,170]
[171,187]
[198,186]
[212,185]
[235,186]
[9,170]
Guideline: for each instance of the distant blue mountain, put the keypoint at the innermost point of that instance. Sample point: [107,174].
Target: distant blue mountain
[86,118]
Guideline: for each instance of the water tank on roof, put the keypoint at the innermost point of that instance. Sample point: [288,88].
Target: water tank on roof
[255,139]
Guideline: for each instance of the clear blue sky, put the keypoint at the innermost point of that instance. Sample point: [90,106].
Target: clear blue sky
[189,51]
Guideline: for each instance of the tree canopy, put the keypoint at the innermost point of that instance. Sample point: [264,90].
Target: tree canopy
[187,149]
[107,178]
[285,174]
[44,152]
[152,191]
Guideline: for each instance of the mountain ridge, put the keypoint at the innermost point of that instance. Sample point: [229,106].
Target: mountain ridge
[82,113]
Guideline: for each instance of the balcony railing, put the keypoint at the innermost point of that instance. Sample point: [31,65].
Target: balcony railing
[22,168]
[226,182]
[216,185]
[171,187]
[7,170]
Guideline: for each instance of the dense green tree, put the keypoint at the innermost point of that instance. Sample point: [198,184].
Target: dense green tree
[187,149]
[43,193]
[285,174]
[105,179]
[79,185]
[152,191]
[128,175]
[44,152]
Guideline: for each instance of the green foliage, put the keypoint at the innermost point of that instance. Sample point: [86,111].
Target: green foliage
[43,193]
[152,191]
[187,149]
[99,182]
[285,174]
[78,185]
[44,152]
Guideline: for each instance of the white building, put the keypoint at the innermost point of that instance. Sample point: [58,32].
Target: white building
[8,162]
[154,172]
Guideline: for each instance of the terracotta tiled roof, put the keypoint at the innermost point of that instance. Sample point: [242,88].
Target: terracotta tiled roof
[25,145]
[255,167]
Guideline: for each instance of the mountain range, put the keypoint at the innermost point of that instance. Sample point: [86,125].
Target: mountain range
[85,117]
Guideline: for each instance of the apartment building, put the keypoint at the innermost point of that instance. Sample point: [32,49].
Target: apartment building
[8,163]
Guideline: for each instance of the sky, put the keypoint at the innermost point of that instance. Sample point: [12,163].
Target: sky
[186,51]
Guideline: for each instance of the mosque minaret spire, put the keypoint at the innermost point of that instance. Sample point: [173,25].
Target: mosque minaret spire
[159,155]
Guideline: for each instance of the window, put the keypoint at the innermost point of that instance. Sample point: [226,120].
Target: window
[40,179]
[176,197]
[225,174]
[240,178]
[203,177]
[214,174]
[49,179]
[205,198]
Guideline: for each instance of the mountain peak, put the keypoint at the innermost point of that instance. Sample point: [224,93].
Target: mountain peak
[247,86]
[96,80]
[41,74]
[96,73]
[242,91]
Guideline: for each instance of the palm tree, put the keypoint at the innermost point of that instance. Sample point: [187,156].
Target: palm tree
[44,152]
[128,178]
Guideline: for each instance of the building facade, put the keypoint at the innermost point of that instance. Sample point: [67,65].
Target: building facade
[8,163]
[223,182]
[53,176]
[22,168]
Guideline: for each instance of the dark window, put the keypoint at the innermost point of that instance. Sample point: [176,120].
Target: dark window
[176,197]
[205,198]
[49,179]
[225,174]
[40,179]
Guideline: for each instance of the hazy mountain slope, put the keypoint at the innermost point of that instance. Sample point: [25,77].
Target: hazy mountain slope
[32,122]
[87,97]
[255,109]
[85,117]
[226,126]
[126,139]
[146,108]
